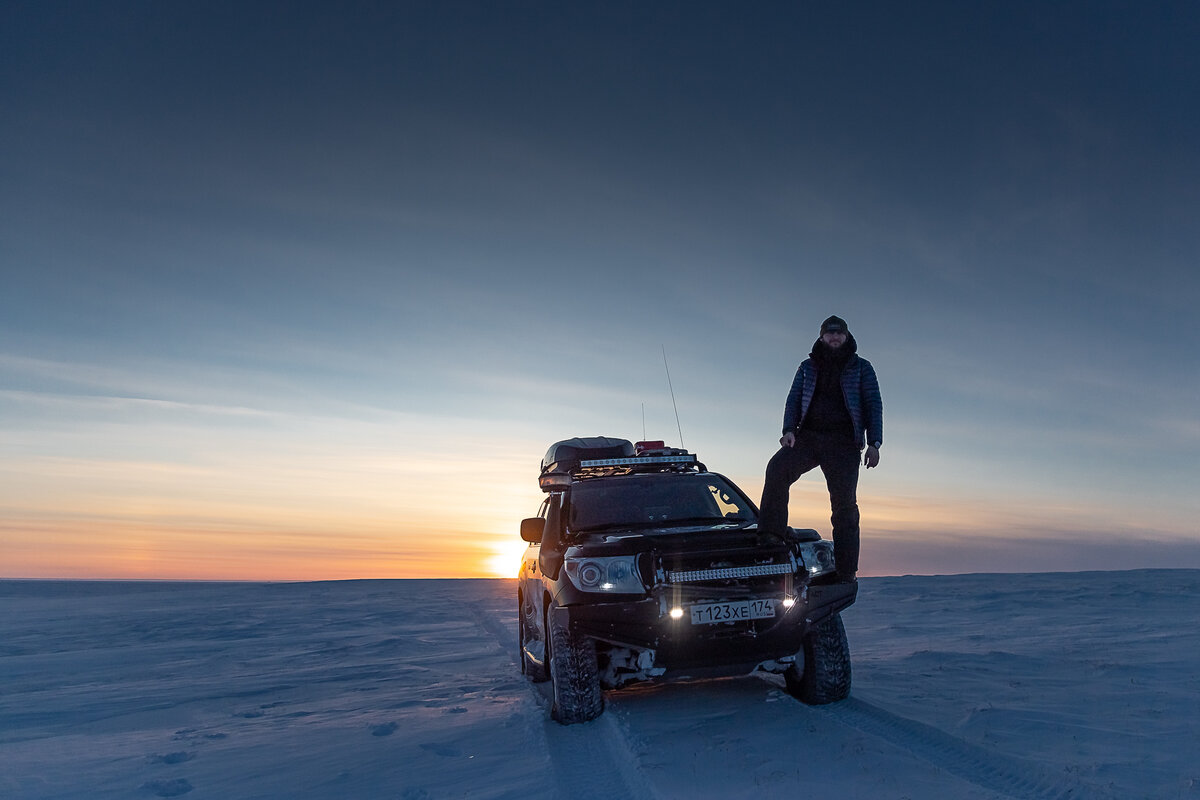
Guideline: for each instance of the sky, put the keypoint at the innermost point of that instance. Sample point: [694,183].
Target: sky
[305,291]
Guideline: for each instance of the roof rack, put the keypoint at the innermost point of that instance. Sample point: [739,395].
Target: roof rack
[566,461]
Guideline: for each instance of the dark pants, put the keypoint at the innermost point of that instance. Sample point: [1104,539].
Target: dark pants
[837,455]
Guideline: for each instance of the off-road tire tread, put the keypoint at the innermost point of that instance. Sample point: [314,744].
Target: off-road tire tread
[575,674]
[826,676]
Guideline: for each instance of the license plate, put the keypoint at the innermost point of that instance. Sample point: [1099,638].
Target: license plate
[739,611]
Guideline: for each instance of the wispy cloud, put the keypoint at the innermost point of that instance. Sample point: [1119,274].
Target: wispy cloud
[103,404]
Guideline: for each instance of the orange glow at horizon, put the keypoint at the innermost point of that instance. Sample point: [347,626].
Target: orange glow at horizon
[442,534]
[284,513]
[121,550]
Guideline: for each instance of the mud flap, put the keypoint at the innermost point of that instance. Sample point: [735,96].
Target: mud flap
[828,599]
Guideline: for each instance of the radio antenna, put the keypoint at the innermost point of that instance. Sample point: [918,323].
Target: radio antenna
[672,388]
[643,422]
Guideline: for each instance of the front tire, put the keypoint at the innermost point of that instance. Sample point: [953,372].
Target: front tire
[826,676]
[574,672]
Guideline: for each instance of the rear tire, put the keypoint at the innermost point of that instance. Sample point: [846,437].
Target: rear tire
[826,675]
[527,614]
[575,673]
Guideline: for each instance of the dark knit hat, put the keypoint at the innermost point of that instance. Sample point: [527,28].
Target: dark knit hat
[834,324]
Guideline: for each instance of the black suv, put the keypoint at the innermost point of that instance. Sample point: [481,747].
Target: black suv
[643,564]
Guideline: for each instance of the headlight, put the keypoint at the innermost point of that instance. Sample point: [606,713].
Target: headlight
[817,557]
[616,574]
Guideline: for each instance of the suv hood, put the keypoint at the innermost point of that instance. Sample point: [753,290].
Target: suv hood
[693,539]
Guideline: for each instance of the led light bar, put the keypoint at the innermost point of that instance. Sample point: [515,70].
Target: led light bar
[691,576]
[687,458]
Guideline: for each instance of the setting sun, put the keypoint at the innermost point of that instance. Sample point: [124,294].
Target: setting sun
[506,560]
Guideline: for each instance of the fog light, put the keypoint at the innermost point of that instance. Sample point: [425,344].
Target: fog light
[676,613]
[789,601]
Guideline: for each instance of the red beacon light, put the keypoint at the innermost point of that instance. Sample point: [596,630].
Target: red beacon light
[642,447]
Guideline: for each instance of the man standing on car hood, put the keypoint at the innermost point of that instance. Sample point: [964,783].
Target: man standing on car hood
[832,410]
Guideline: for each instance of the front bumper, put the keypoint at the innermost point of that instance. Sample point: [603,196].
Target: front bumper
[646,624]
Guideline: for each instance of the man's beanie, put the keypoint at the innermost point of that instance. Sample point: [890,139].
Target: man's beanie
[834,324]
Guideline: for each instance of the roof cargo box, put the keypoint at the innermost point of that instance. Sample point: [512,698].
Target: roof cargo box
[565,456]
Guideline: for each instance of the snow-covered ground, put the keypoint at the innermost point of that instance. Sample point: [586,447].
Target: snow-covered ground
[1078,685]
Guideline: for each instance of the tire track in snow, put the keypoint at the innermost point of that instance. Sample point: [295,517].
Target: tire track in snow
[990,770]
[591,761]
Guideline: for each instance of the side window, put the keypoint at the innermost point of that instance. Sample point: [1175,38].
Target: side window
[544,508]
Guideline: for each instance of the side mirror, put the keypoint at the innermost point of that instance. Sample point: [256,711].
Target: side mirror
[532,528]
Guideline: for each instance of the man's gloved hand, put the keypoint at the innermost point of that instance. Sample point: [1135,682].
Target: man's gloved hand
[871,457]
[789,440]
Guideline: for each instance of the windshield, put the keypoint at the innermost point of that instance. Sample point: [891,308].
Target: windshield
[655,501]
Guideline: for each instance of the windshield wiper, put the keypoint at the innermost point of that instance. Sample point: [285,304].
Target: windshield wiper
[679,522]
[675,522]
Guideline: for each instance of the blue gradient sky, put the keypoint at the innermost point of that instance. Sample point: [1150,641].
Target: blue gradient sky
[304,292]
